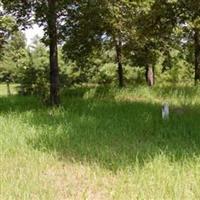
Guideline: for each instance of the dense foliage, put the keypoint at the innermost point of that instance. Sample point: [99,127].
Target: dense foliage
[101,42]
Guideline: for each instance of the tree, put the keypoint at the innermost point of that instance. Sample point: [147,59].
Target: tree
[12,50]
[96,24]
[188,18]
[154,33]
[7,27]
[34,76]
[48,14]
[184,18]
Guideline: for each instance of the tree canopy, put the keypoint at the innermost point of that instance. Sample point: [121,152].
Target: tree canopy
[91,37]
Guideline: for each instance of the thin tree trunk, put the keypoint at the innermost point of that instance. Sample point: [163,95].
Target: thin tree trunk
[54,69]
[118,47]
[197,55]
[150,75]
[8,88]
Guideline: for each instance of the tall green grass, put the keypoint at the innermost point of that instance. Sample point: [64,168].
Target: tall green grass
[101,144]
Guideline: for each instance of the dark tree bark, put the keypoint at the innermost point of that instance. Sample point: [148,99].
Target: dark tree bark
[150,75]
[54,69]
[197,55]
[118,47]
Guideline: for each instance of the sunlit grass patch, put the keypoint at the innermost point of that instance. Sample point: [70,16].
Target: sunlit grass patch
[4,89]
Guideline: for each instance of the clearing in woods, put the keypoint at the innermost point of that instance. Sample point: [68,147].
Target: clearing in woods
[101,144]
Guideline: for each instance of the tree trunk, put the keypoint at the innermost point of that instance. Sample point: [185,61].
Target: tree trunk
[8,88]
[150,75]
[197,55]
[54,70]
[118,47]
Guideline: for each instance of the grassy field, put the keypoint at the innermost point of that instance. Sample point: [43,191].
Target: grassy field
[101,144]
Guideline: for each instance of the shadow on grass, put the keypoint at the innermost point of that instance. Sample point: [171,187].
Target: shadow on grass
[17,103]
[112,134]
[115,135]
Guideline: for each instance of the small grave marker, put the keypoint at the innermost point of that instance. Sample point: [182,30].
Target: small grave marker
[165,111]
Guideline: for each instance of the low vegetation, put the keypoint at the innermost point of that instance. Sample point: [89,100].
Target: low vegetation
[101,144]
